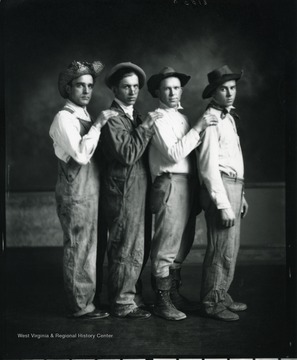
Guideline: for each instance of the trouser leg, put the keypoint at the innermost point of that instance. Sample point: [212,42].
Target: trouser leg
[221,253]
[170,223]
[126,248]
[79,224]
[101,250]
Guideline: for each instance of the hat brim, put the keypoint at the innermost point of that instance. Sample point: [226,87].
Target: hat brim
[129,66]
[65,77]
[155,80]
[211,87]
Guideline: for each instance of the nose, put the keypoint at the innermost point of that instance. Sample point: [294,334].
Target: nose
[132,90]
[86,90]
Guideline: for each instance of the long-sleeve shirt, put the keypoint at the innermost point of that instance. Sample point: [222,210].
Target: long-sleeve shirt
[173,141]
[220,152]
[65,132]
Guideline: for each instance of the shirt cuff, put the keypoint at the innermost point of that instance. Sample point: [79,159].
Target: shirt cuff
[221,200]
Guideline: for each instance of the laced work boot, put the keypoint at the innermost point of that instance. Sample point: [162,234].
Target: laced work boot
[179,301]
[163,306]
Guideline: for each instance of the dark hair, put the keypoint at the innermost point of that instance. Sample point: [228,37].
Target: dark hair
[119,75]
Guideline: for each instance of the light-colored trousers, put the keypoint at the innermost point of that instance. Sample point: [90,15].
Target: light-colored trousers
[222,248]
[173,203]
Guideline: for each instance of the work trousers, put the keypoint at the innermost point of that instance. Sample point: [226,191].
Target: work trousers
[124,205]
[77,196]
[173,199]
[222,248]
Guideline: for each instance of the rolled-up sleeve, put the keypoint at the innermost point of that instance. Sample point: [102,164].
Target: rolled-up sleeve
[69,143]
[170,146]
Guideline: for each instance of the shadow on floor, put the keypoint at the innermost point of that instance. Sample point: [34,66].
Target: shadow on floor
[36,325]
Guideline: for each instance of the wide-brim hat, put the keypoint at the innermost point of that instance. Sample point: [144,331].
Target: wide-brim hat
[75,70]
[218,77]
[154,81]
[112,76]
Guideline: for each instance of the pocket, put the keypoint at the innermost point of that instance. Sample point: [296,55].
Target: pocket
[160,193]
[71,170]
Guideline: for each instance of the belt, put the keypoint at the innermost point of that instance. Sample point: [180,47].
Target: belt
[172,174]
[232,176]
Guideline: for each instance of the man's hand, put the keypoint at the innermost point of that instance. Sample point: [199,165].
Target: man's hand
[227,217]
[206,120]
[244,208]
[151,118]
[103,118]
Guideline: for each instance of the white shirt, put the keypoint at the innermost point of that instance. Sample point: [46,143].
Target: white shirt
[220,151]
[128,110]
[172,143]
[65,132]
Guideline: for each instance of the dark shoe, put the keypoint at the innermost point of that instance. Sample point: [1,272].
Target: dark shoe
[138,313]
[224,315]
[93,315]
[237,306]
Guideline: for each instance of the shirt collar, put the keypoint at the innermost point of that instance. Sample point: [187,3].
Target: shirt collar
[215,105]
[128,110]
[81,111]
[165,107]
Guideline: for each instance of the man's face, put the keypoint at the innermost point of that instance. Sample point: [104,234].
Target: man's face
[80,90]
[225,94]
[170,92]
[127,90]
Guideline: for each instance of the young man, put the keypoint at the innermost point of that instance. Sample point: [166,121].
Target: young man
[75,138]
[220,166]
[173,192]
[125,139]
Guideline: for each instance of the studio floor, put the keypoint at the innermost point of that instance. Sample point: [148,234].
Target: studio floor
[36,325]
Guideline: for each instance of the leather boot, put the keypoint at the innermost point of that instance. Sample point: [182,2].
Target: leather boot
[179,301]
[163,306]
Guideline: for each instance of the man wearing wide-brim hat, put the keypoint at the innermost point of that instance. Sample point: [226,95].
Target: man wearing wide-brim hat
[174,191]
[124,141]
[75,137]
[221,171]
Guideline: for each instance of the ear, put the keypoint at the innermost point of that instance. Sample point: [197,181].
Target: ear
[114,90]
[68,88]
[157,92]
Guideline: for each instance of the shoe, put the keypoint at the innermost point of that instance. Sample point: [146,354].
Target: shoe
[224,315]
[138,313]
[93,315]
[237,306]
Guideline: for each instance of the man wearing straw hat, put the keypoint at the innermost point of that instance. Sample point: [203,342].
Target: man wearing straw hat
[124,142]
[75,137]
[221,171]
[174,191]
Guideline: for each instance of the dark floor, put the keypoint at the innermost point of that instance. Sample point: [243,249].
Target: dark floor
[35,305]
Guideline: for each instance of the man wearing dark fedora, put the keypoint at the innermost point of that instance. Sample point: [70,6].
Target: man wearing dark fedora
[75,136]
[221,171]
[174,191]
[124,142]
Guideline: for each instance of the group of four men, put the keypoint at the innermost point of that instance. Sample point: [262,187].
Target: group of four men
[143,166]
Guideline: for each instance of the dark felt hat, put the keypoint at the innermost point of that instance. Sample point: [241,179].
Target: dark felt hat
[75,70]
[218,77]
[111,78]
[154,81]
